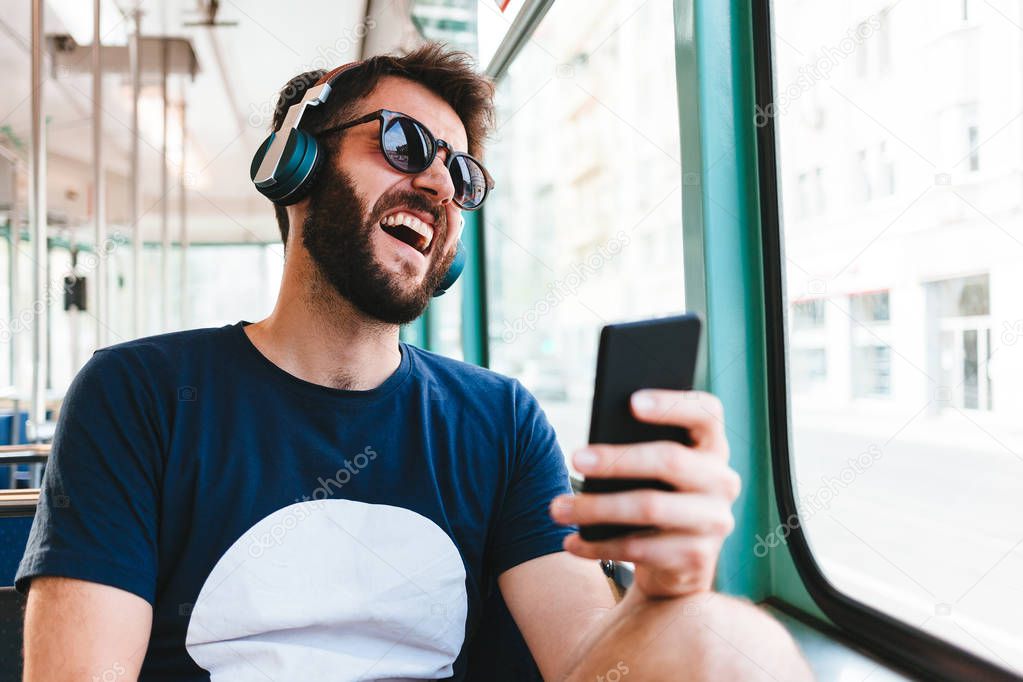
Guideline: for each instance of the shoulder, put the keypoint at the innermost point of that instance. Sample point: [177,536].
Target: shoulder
[161,349]
[152,360]
[171,344]
[458,373]
[464,380]
[475,387]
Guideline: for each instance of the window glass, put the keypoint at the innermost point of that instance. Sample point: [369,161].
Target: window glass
[232,282]
[445,320]
[492,24]
[585,225]
[904,313]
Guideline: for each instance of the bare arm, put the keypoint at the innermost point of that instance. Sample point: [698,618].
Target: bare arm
[558,602]
[670,622]
[79,630]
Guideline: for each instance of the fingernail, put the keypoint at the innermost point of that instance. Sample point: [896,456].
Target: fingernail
[643,402]
[585,459]
[563,505]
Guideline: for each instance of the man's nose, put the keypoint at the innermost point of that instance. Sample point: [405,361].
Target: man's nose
[436,180]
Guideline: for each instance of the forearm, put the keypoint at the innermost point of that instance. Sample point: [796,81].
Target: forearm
[706,636]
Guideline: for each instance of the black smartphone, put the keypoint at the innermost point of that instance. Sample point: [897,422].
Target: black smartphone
[658,353]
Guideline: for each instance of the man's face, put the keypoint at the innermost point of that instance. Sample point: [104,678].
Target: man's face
[376,269]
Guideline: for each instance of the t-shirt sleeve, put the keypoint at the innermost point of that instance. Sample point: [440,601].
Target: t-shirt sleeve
[538,474]
[98,508]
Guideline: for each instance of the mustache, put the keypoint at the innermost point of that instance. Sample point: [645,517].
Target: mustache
[416,202]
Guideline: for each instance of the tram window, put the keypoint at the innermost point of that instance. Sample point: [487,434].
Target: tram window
[586,227]
[904,330]
[492,24]
[213,269]
[445,320]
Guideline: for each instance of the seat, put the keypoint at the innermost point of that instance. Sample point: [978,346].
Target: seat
[12,613]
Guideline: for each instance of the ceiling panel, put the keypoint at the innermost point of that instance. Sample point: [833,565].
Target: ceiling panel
[229,104]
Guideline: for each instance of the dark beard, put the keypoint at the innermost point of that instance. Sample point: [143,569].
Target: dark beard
[337,234]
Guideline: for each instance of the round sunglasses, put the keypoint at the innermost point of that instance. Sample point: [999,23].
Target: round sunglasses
[410,147]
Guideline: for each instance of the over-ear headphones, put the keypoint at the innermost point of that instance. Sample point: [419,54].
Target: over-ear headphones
[285,166]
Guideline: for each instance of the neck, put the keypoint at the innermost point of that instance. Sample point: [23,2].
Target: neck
[318,336]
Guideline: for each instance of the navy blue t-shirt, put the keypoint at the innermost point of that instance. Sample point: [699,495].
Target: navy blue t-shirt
[287,530]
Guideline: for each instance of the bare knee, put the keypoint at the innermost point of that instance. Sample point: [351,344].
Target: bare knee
[703,637]
[732,639]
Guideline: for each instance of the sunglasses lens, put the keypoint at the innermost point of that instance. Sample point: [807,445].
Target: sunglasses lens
[407,145]
[470,182]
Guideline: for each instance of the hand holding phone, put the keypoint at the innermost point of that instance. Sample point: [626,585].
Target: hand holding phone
[658,353]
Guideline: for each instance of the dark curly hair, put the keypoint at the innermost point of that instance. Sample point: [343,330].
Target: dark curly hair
[449,74]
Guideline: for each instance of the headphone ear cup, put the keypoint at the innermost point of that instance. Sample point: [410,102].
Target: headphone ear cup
[298,163]
[454,270]
[303,190]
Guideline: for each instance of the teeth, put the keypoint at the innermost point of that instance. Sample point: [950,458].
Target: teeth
[412,222]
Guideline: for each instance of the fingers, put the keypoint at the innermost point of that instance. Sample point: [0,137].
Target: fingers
[701,413]
[681,467]
[689,513]
[680,552]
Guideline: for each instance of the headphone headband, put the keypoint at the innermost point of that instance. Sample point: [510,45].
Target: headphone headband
[334,73]
[266,174]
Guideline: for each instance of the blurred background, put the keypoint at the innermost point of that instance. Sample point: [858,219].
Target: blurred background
[899,131]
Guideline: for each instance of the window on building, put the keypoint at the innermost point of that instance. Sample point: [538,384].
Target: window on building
[863,173]
[886,170]
[973,144]
[808,314]
[962,355]
[870,308]
[871,362]
[917,364]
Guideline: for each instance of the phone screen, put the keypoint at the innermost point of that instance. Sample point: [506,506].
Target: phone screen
[657,353]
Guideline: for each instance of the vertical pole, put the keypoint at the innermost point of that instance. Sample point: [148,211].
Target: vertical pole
[182,205]
[99,181]
[475,346]
[13,275]
[165,244]
[15,288]
[135,58]
[37,217]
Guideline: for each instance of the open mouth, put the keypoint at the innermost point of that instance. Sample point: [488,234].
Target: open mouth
[409,229]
